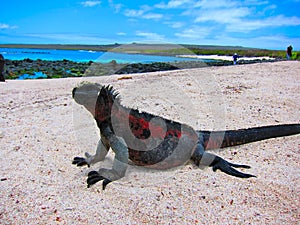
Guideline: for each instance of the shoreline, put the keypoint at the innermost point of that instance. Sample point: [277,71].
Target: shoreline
[227,58]
[37,69]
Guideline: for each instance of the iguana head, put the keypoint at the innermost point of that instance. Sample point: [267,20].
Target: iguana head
[97,99]
[86,94]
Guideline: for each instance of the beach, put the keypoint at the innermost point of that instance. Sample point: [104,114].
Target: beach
[43,129]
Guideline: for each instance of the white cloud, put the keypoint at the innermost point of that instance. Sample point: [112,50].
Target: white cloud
[143,13]
[4,26]
[205,20]
[121,34]
[134,13]
[222,16]
[175,24]
[154,16]
[90,3]
[282,20]
[194,33]
[250,25]
[256,2]
[239,18]
[192,4]
[116,7]
[213,4]
[149,35]
[268,8]
[172,4]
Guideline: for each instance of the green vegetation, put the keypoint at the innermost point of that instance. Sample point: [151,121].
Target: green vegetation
[242,52]
[296,56]
[53,69]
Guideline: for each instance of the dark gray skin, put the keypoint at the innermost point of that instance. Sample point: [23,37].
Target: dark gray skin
[156,142]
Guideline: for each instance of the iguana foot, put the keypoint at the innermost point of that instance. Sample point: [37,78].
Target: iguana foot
[79,161]
[107,175]
[227,167]
[88,160]
[94,177]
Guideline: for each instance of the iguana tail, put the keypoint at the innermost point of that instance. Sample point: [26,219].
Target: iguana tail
[223,139]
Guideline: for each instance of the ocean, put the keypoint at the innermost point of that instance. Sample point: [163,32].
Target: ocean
[86,56]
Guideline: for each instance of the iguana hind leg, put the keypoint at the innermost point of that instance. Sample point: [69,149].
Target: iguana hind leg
[202,158]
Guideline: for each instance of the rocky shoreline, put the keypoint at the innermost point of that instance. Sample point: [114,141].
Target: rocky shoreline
[14,69]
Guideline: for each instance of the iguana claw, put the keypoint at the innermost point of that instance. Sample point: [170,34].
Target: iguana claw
[94,177]
[79,161]
[227,167]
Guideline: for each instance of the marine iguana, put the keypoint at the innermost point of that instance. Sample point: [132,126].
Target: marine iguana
[156,142]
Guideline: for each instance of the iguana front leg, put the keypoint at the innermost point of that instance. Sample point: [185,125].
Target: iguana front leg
[101,152]
[202,158]
[120,163]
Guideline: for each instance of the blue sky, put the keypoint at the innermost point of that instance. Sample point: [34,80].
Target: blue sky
[249,23]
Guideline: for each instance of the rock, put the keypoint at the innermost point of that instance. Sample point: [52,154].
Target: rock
[2,62]
[66,68]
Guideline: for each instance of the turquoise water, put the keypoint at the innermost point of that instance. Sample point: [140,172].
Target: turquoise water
[85,56]
[36,75]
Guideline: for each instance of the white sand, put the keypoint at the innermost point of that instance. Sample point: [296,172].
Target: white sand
[224,57]
[42,129]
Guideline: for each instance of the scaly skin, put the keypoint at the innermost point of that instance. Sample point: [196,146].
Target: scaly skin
[156,142]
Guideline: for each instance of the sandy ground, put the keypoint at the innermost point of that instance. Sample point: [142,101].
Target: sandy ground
[42,129]
[229,58]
